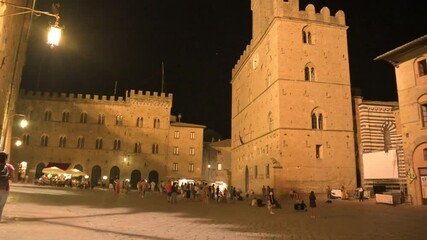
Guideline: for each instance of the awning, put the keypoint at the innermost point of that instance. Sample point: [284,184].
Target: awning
[63,166]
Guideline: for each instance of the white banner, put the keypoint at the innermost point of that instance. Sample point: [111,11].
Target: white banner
[380,165]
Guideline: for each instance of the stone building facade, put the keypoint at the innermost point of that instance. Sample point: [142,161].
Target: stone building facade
[132,137]
[217,161]
[292,124]
[410,64]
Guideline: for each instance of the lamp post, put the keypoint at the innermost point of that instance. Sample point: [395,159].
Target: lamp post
[23,124]
[53,40]
[55,31]
[209,171]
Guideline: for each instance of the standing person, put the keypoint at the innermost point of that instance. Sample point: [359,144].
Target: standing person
[153,186]
[162,187]
[263,190]
[169,190]
[270,202]
[217,192]
[313,205]
[361,194]
[174,193]
[117,187]
[139,186]
[206,193]
[6,173]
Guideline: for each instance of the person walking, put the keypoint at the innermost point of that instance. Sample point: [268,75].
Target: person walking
[6,173]
[312,199]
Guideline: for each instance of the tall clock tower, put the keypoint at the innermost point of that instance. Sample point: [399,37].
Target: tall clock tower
[292,125]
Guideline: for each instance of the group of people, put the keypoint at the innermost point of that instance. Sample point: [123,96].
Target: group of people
[359,194]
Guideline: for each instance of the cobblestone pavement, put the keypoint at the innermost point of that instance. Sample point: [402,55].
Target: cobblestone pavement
[34,212]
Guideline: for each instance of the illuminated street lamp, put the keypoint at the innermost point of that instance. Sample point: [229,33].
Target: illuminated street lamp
[54,35]
[18,142]
[55,31]
[24,122]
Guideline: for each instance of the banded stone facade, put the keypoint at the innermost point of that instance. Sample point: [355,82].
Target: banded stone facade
[379,130]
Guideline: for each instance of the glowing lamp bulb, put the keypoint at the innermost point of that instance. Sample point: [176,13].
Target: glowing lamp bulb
[54,35]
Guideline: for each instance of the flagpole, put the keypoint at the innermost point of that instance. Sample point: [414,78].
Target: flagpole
[163,76]
[115,88]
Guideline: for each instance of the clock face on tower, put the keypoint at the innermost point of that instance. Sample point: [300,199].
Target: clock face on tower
[255,61]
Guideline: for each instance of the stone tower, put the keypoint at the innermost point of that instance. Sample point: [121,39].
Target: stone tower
[291,103]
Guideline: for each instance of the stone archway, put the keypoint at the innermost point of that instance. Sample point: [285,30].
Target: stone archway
[79,167]
[153,176]
[96,175]
[114,174]
[135,177]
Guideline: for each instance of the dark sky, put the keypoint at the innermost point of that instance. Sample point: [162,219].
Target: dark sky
[199,41]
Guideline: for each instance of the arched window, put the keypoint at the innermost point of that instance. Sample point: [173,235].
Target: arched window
[119,120]
[320,121]
[80,142]
[65,116]
[155,148]
[101,119]
[306,35]
[139,122]
[83,117]
[44,141]
[425,154]
[117,144]
[137,147]
[156,123]
[98,143]
[26,139]
[309,72]
[313,121]
[47,115]
[312,74]
[62,141]
[317,119]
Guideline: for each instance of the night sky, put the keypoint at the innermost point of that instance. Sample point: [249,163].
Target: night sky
[199,42]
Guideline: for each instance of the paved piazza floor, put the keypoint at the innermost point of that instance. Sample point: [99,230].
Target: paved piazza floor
[34,212]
